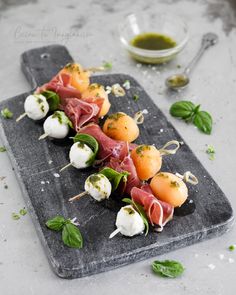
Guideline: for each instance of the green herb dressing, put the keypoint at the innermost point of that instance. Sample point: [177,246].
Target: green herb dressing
[153,41]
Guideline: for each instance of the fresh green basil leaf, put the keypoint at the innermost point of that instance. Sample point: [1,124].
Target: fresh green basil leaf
[56,223]
[203,121]
[6,113]
[168,268]
[127,200]
[141,212]
[62,118]
[182,109]
[71,236]
[53,99]
[89,141]
[114,177]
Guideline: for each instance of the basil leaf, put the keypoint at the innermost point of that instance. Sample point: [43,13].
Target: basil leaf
[168,268]
[182,109]
[52,99]
[141,212]
[6,113]
[89,141]
[71,236]
[114,177]
[56,223]
[203,121]
[62,118]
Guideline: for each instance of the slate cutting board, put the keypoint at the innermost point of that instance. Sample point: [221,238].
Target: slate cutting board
[46,195]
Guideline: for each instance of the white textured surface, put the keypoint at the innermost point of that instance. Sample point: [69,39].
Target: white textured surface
[23,265]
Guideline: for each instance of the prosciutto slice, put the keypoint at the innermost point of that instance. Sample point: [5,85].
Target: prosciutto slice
[80,112]
[61,85]
[107,147]
[158,212]
[126,165]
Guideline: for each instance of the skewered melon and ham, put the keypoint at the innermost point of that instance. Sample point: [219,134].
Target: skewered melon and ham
[83,104]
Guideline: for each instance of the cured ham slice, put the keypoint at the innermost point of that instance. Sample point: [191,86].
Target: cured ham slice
[80,112]
[61,85]
[126,165]
[158,212]
[107,147]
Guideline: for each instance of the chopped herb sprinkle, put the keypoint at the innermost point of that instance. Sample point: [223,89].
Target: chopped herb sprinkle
[174,184]
[23,211]
[129,210]
[142,148]
[15,216]
[135,97]
[2,149]
[211,152]
[231,247]
[107,65]
[116,116]
[6,113]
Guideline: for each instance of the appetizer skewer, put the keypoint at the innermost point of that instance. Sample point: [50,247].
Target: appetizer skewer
[148,159]
[56,126]
[97,186]
[36,107]
[171,188]
[80,154]
[128,222]
[120,126]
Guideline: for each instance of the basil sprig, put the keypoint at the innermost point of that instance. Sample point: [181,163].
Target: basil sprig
[168,268]
[114,177]
[71,235]
[53,99]
[89,141]
[141,212]
[62,118]
[190,112]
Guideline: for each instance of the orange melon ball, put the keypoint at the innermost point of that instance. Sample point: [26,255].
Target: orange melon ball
[147,160]
[120,126]
[95,91]
[79,77]
[169,188]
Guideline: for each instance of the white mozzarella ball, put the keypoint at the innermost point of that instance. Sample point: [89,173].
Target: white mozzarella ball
[79,154]
[129,222]
[36,106]
[98,186]
[52,127]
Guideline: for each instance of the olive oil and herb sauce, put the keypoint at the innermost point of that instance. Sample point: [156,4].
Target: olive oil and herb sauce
[153,41]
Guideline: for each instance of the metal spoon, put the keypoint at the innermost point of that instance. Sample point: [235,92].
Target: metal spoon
[180,81]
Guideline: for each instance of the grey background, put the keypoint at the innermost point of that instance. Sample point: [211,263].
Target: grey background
[27,24]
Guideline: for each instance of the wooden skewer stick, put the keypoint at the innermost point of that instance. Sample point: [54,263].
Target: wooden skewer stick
[43,136]
[139,118]
[95,69]
[65,167]
[77,197]
[21,117]
[114,233]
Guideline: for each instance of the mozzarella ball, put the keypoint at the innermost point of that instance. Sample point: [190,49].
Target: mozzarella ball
[36,106]
[98,186]
[129,221]
[52,127]
[79,155]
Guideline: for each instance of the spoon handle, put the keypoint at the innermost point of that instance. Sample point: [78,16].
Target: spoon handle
[208,40]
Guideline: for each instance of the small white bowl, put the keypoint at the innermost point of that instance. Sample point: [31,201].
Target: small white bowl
[165,24]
